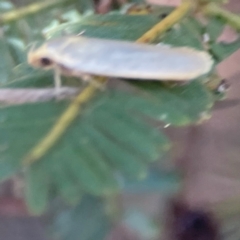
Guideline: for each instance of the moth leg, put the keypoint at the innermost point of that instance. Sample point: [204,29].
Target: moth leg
[93,81]
[57,79]
[57,84]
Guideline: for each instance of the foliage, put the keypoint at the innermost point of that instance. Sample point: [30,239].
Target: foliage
[88,221]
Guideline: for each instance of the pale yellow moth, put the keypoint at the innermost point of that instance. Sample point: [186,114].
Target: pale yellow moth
[81,56]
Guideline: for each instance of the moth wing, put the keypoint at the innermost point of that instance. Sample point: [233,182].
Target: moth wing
[131,60]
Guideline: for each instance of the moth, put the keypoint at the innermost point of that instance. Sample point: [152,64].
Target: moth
[82,57]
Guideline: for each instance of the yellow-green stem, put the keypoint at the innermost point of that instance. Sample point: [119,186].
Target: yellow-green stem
[167,22]
[33,8]
[60,127]
[213,9]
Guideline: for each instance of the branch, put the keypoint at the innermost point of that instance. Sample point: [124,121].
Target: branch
[28,10]
[214,9]
[60,127]
[167,22]
[11,96]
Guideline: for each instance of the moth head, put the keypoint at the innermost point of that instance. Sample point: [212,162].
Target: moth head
[40,58]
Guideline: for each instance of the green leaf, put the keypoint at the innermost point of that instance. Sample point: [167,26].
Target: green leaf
[137,1]
[186,33]
[219,50]
[214,28]
[37,188]
[223,50]
[14,123]
[24,76]
[17,50]
[84,5]
[175,104]
[6,64]
[87,221]
[64,183]
[112,26]
[156,181]
[91,150]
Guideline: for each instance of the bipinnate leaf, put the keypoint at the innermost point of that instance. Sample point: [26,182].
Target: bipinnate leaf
[113,134]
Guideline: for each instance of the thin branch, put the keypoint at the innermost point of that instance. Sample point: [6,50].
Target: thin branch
[60,127]
[18,96]
[33,8]
[213,9]
[167,22]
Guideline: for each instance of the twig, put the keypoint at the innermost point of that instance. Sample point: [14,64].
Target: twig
[213,9]
[33,8]
[167,22]
[15,96]
[60,127]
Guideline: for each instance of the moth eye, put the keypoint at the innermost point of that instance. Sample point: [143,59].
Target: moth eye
[46,62]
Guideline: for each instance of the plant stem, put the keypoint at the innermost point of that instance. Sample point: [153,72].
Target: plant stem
[15,96]
[167,22]
[214,9]
[33,8]
[60,127]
